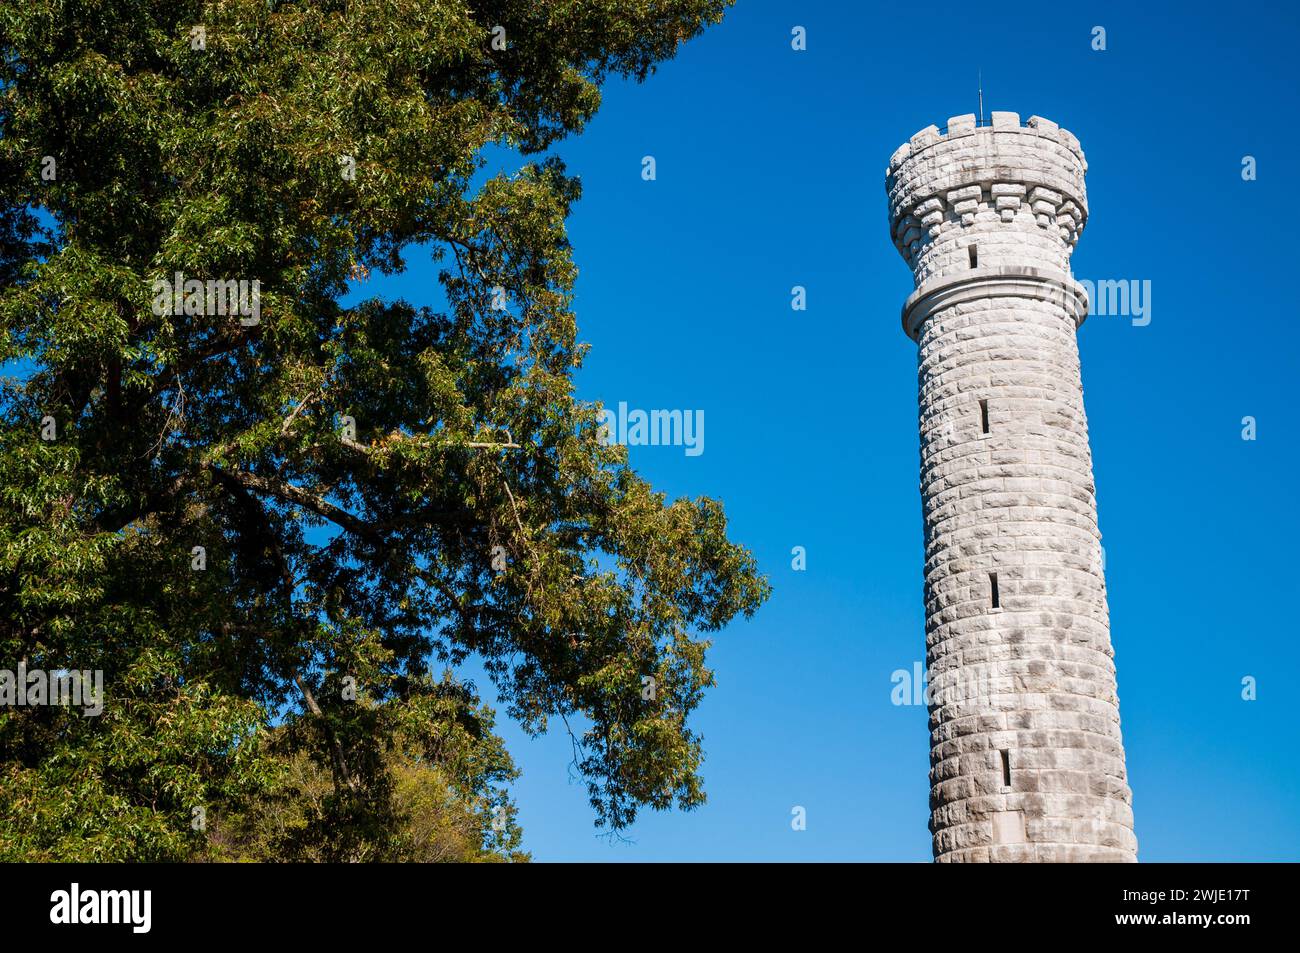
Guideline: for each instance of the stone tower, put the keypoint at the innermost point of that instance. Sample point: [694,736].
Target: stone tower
[1026,761]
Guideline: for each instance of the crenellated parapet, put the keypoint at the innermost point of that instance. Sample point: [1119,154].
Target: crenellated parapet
[1000,194]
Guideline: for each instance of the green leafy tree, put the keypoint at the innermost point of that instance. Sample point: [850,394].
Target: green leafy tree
[263,526]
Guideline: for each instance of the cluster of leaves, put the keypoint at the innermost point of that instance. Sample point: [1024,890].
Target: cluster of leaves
[341,466]
[437,793]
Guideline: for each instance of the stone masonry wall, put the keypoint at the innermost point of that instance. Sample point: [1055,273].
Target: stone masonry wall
[1027,762]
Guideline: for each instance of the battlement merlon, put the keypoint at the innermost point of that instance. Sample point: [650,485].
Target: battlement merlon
[1029,177]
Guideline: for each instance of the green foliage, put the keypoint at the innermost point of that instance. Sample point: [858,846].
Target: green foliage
[436,794]
[333,559]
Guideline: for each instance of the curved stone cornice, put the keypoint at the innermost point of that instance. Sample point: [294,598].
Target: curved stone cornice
[996,282]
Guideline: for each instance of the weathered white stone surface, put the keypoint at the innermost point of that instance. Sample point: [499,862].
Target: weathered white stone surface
[1025,691]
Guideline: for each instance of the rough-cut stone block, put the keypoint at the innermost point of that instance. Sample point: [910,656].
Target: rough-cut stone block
[1040,194]
[961,125]
[924,137]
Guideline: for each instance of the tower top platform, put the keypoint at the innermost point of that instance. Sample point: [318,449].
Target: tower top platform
[1005,193]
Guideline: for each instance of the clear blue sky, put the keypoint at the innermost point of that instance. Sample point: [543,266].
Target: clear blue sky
[770,174]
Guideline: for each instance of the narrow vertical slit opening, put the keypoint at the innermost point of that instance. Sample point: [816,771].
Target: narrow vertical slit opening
[994,599]
[984,416]
[1006,768]
[974,255]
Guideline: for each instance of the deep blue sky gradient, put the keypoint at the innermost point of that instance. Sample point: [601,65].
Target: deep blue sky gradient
[771,174]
